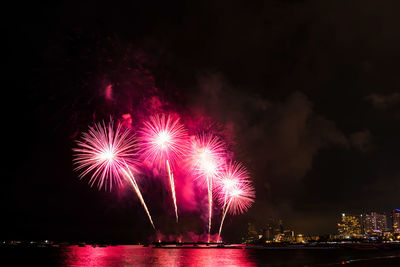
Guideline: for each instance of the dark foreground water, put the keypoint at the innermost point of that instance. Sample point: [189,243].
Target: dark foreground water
[147,256]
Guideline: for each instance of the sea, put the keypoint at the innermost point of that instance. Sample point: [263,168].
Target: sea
[136,255]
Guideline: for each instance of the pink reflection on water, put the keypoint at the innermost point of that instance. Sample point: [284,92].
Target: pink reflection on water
[147,256]
[216,257]
[93,256]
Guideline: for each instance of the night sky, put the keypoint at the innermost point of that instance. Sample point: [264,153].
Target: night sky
[307,90]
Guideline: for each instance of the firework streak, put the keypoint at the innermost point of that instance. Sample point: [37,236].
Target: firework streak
[225,210]
[135,186]
[172,185]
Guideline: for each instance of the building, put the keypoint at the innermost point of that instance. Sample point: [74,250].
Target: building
[374,223]
[350,226]
[287,236]
[396,221]
[272,228]
[269,233]
[252,234]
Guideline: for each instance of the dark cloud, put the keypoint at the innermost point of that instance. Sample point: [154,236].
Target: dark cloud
[384,101]
[362,140]
[282,136]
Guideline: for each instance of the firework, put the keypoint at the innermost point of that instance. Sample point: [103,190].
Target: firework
[108,156]
[164,141]
[231,177]
[207,158]
[235,190]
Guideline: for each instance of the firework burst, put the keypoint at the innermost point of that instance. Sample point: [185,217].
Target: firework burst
[207,158]
[207,155]
[164,140]
[108,155]
[233,175]
[236,193]
[102,152]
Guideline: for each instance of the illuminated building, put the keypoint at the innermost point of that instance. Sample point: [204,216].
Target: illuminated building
[269,233]
[350,226]
[287,236]
[252,234]
[272,228]
[396,221]
[374,223]
[300,238]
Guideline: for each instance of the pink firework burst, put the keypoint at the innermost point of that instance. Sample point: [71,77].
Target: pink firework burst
[207,155]
[207,158]
[233,175]
[109,156]
[163,138]
[103,152]
[235,191]
[240,198]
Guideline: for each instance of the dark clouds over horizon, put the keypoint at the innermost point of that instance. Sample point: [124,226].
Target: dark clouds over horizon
[309,89]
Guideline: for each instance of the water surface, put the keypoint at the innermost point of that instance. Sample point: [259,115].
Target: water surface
[130,255]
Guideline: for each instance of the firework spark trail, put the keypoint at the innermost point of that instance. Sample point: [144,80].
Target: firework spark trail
[172,184]
[109,156]
[208,155]
[223,218]
[224,204]
[164,140]
[210,204]
[135,186]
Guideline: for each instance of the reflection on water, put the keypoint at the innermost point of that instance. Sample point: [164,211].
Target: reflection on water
[144,256]
[147,256]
